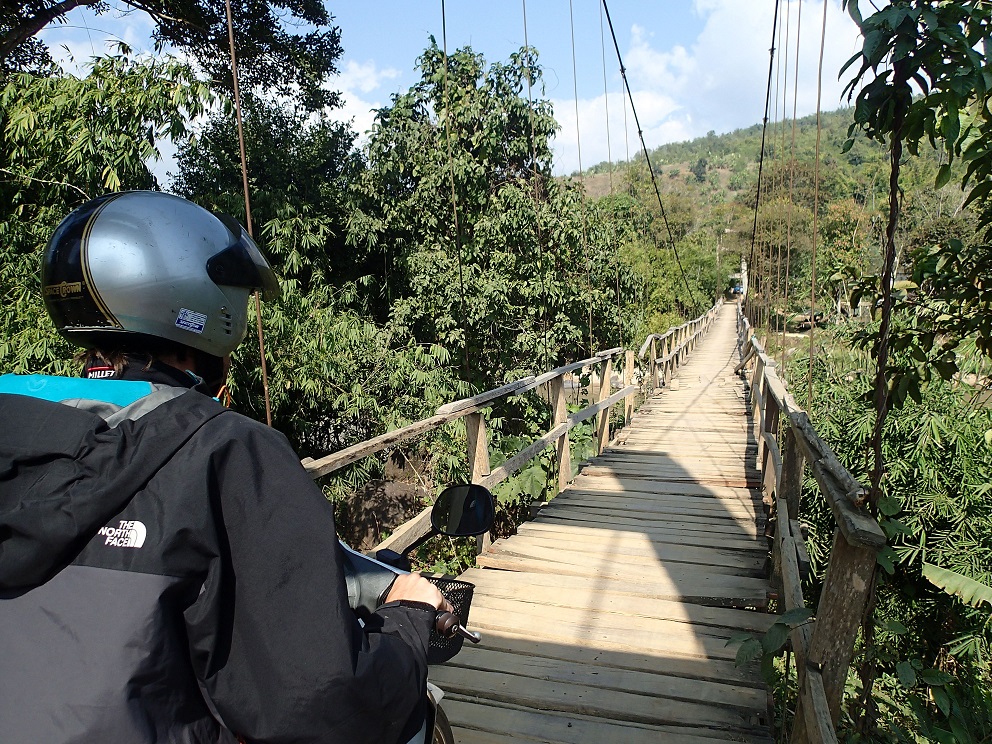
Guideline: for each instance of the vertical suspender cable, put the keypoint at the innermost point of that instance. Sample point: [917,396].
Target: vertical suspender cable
[454,195]
[578,143]
[626,140]
[816,206]
[251,232]
[606,95]
[537,215]
[784,64]
[792,178]
[609,157]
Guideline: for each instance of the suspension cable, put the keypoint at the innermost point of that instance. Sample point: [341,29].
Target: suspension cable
[251,231]
[761,157]
[454,195]
[647,157]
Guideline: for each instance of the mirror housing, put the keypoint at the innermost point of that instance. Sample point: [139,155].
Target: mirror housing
[463,510]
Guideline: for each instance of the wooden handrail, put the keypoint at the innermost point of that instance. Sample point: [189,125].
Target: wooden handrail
[823,648]
[470,409]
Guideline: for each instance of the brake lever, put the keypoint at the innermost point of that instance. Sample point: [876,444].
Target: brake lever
[448,625]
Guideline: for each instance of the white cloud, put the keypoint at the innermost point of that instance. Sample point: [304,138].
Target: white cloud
[717,82]
[364,77]
[356,82]
[658,114]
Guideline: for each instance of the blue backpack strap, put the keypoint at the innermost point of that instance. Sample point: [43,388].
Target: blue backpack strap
[57,389]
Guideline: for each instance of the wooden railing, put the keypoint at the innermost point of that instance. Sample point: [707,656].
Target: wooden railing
[824,647]
[677,343]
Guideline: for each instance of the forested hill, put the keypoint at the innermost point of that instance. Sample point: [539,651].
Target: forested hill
[722,166]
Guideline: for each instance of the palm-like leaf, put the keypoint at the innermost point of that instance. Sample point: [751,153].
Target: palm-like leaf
[970,592]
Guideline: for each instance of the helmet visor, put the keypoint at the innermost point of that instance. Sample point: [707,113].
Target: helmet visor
[243,265]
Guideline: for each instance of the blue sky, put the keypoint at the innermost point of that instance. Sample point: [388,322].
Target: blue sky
[693,65]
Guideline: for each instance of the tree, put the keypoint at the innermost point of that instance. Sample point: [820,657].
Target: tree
[65,140]
[938,48]
[270,55]
[336,376]
[512,283]
[699,170]
[298,169]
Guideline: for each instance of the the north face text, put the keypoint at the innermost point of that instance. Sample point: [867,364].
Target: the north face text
[130,534]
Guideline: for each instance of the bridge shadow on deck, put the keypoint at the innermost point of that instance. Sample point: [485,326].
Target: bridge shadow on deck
[606,619]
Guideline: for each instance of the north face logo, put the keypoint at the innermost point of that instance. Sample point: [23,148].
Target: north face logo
[130,534]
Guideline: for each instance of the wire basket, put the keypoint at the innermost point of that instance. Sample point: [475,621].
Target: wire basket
[459,594]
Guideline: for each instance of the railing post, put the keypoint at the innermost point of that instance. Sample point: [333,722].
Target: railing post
[603,417]
[628,379]
[673,353]
[654,366]
[757,404]
[478,460]
[842,603]
[792,471]
[666,370]
[769,420]
[563,455]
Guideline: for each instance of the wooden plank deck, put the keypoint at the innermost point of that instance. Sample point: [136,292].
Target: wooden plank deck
[605,620]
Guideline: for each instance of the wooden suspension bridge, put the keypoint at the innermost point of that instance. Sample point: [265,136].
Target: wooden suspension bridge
[608,617]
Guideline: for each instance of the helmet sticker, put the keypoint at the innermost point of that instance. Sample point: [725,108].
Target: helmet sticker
[191,321]
[100,373]
[63,289]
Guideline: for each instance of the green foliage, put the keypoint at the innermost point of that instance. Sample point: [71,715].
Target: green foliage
[337,377]
[971,592]
[936,510]
[939,47]
[64,140]
[766,647]
[284,46]
[530,266]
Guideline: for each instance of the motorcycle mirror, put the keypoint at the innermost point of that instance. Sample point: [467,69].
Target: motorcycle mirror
[463,510]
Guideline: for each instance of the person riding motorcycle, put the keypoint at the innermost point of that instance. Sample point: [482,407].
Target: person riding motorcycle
[168,570]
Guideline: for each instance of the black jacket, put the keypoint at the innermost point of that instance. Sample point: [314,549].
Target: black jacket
[170,565]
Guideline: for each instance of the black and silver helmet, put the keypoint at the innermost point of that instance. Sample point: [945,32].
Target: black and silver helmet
[144,262]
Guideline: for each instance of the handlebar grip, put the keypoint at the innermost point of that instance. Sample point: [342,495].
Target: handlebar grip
[367,580]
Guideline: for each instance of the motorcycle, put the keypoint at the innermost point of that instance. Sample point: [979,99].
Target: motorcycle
[459,511]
